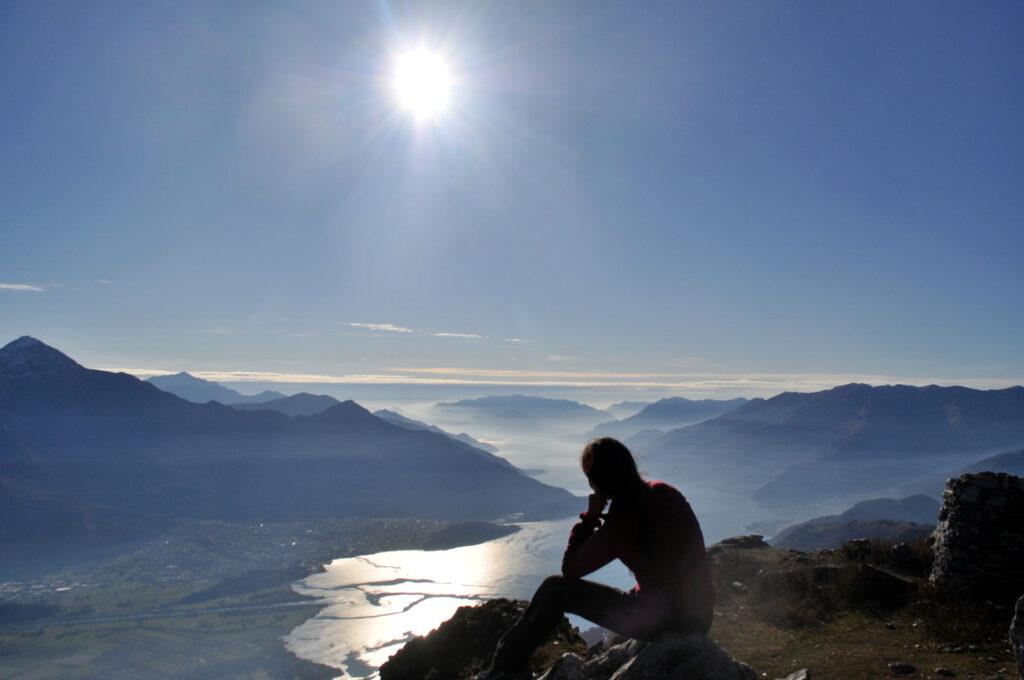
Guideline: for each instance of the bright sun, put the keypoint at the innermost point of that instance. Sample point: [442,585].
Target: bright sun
[422,83]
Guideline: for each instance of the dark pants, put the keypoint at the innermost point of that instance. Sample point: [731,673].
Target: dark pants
[628,614]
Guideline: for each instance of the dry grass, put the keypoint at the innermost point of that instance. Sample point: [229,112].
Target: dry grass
[848,616]
[960,620]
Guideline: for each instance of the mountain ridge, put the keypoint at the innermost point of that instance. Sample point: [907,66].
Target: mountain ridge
[667,414]
[832,445]
[300,404]
[200,391]
[121,450]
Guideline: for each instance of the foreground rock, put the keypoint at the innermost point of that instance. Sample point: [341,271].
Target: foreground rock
[462,646]
[1017,635]
[669,657]
[802,674]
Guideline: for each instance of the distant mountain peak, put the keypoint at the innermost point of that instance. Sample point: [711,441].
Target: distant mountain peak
[200,391]
[24,342]
[349,406]
[27,355]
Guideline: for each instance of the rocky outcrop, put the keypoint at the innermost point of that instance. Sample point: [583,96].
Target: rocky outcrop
[462,646]
[749,542]
[979,541]
[671,656]
[1017,635]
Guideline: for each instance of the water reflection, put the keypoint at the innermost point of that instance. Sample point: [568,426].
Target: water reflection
[378,602]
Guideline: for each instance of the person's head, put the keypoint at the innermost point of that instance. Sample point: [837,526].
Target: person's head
[609,466]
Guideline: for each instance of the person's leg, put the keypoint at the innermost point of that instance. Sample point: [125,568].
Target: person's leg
[620,612]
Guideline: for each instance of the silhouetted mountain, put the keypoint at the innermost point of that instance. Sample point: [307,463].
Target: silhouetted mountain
[1011,462]
[842,443]
[667,414]
[126,457]
[643,439]
[919,510]
[522,408]
[402,421]
[200,391]
[833,535]
[301,404]
[624,409]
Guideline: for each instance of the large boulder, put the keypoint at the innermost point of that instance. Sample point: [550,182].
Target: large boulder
[671,656]
[1017,635]
[463,645]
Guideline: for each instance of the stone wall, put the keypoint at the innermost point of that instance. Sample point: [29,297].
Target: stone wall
[979,540]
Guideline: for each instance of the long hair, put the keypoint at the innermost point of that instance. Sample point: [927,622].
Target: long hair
[609,465]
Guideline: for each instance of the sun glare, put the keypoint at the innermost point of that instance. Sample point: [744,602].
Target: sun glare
[422,83]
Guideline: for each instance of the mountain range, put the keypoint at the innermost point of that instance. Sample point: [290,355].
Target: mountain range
[93,456]
[841,444]
[199,391]
[624,409]
[519,408]
[873,518]
[301,404]
[402,421]
[667,414]
[1010,462]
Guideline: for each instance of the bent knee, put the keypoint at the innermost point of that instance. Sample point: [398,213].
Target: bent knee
[553,582]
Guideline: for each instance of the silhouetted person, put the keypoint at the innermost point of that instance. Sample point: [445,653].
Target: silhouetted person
[652,529]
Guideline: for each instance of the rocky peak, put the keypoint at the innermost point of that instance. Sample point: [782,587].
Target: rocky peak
[27,357]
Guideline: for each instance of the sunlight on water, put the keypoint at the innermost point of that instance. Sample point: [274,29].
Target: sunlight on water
[378,602]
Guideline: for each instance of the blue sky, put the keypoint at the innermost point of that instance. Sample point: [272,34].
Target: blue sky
[712,197]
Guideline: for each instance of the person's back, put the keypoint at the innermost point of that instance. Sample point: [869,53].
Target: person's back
[662,544]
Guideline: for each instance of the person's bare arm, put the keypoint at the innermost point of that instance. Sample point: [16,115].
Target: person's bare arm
[588,550]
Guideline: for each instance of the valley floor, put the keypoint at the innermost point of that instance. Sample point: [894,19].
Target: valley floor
[209,600]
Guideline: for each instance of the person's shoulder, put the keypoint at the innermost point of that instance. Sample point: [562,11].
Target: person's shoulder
[660,486]
[664,490]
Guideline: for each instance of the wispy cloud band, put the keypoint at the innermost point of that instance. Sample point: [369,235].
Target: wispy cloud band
[381,327]
[21,288]
[747,384]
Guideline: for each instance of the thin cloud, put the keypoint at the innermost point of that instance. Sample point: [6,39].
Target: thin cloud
[395,328]
[383,327]
[21,288]
[464,336]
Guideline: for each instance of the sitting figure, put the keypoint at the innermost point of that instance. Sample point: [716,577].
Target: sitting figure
[652,529]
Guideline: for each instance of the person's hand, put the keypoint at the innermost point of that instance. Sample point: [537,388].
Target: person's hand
[596,504]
